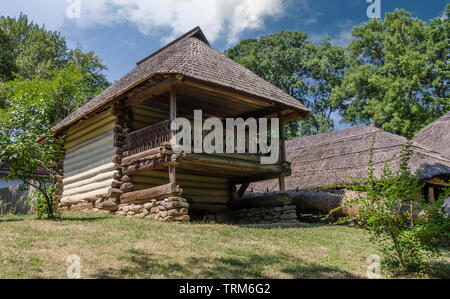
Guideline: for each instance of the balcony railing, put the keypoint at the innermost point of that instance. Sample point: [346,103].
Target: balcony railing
[154,136]
[149,137]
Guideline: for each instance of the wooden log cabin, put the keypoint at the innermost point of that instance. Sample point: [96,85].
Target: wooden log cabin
[117,146]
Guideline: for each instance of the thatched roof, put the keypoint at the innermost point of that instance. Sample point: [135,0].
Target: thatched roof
[191,56]
[330,158]
[436,136]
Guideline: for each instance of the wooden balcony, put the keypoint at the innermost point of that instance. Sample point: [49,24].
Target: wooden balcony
[157,135]
[149,148]
[148,138]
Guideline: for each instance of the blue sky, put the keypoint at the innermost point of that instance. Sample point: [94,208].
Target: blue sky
[122,32]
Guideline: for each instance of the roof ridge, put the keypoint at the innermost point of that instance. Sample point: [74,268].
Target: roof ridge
[190,33]
[336,132]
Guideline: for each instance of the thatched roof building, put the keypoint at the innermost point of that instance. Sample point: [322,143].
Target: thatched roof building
[118,148]
[436,136]
[332,158]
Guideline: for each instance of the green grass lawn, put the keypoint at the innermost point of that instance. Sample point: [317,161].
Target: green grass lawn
[120,247]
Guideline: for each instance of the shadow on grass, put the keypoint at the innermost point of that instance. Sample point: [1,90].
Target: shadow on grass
[141,264]
[18,218]
[13,218]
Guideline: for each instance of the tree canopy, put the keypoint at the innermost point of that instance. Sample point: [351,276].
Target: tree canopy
[297,66]
[41,82]
[398,74]
[38,61]
[395,72]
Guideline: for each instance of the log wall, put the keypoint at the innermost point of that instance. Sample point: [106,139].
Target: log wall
[90,161]
[142,116]
[199,190]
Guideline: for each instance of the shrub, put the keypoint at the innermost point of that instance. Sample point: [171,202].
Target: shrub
[393,211]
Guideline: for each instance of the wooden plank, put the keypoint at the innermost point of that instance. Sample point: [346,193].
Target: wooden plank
[147,195]
[227,163]
[88,136]
[232,95]
[92,186]
[88,174]
[143,154]
[156,89]
[84,123]
[183,177]
[93,127]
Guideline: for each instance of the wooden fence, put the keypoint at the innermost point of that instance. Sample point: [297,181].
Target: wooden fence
[12,200]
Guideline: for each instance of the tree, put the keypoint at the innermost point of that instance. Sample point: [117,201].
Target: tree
[7,66]
[31,108]
[36,50]
[26,120]
[299,68]
[44,82]
[398,74]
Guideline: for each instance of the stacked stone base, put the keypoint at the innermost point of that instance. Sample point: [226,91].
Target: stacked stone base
[266,215]
[262,215]
[176,209]
[169,209]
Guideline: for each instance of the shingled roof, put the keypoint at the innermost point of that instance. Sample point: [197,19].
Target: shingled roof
[191,56]
[436,136]
[330,158]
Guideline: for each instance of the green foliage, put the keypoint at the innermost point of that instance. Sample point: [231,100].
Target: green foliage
[305,71]
[34,52]
[44,208]
[7,66]
[67,89]
[22,124]
[43,83]
[35,49]
[398,74]
[392,209]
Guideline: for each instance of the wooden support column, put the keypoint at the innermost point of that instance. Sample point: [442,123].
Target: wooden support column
[242,189]
[282,154]
[431,197]
[173,116]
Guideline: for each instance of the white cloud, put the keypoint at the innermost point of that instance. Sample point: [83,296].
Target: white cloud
[217,18]
[225,19]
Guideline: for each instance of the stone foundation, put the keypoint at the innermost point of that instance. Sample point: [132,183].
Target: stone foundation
[262,215]
[177,209]
[169,209]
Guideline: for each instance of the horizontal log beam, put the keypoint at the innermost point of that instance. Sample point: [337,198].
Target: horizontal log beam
[144,196]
